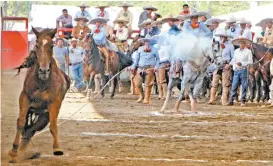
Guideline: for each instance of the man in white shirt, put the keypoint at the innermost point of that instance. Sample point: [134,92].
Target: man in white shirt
[245,31]
[125,13]
[83,12]
[76,55]
[242,58]
[215,24]
[121,34]
[102,13]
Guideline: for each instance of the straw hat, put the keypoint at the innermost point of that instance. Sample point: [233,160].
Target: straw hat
[206,14]
[125,4]
[121,19]
[223,33]
[83,5]
[146,7]
[155,23]
[99,19]
[81,18]
[211,20]
[231,19]
[147,38]
[170,17]
[242,21]
[102,6]
[241,40]
[180,17]
[144,23]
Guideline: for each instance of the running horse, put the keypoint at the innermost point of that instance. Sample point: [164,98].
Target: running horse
[43,91]
[94,64]
[193,72]
[262,61]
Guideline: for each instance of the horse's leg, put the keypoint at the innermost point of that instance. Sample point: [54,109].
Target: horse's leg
[251,86]
[258,86]
[196,91]
[115,82]
[89,86]
[214,88]
[104,81]
[169,92]
[24,107]
[53,110]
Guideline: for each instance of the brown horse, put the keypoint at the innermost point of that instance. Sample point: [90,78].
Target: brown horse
[94,64]
[44,89]
[262,56]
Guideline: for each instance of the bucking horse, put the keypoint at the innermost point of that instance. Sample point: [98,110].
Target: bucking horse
[43,91]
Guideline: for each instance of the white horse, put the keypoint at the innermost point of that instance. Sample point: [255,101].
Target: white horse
[196,55]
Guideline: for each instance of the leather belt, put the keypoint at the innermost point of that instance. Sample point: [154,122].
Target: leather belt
[76,63]
[146,67]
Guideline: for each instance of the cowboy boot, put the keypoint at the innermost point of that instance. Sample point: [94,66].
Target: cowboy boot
[147,97]
[120,87]
[212,95]
[141,95]
[225,95]
[164,90]
[160,91]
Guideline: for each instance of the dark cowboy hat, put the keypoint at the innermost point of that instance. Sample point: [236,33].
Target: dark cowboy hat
[99,19]
[81,18]
[170,17]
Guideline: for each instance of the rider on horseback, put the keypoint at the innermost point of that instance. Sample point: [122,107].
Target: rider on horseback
[99,35]
[121,34]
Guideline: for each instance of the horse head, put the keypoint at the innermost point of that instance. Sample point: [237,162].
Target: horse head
[43,49]
[217,54]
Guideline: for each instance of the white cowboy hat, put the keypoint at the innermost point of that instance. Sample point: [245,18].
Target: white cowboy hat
[81,18]
[206,14]
[170,17]
[241,39]
[223,33]
[211,20]
[242,21]
[147,38]
[125,4]
[155,23]
[83,5]
[231,19]
[121,19]
[266,20]
[194,14]
[74,39]
[146,7]
[99,19]
[144,23]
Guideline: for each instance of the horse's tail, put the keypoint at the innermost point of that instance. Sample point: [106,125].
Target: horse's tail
[36,120]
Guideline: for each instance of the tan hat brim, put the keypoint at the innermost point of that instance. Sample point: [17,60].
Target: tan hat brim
[152,8]
[124,21]
[167,19]
[84,19]
[239,40]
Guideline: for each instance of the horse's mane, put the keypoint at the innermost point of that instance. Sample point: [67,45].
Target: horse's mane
[262,48]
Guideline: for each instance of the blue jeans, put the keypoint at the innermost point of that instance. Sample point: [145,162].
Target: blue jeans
[240,76]
[78,76]
[62,66]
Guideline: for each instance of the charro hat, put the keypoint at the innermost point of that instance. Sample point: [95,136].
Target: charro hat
[241,40]
[146,7]
[102,6]
[206,14]
[194,14]
[147,38]
[223,33]
[83,5]
[170,17]
[81,18]
[144,23]
[266,20]
[121,19]
[125,4]
[99,19]
[211,20]
[231,19]
[242,21]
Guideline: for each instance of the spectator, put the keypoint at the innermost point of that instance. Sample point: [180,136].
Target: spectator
[61,55]
[203,18]
[122,34]
[245,31]
[125,13]
[146,14]
[102,13]
[64,21]
[268,35]
[83,12]
[174,30]
[81,29]
[232,28]
[186,10]
[76,61]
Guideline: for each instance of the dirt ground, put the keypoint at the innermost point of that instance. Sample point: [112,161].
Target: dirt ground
[127,133]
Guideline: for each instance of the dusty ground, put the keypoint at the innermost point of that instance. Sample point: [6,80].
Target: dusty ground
[121,132]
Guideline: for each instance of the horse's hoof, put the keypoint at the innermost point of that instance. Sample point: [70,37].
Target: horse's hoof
[12,156]
[35,156]
[58,152]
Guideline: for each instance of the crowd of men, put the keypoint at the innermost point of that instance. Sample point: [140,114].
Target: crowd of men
[152,60]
